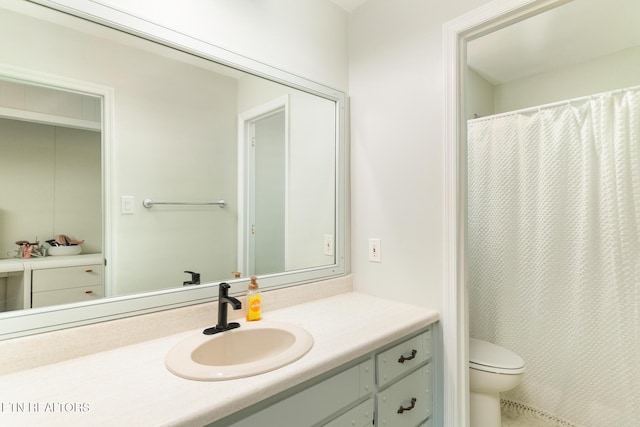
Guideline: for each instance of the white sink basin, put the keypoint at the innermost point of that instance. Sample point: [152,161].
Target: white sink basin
[252,349]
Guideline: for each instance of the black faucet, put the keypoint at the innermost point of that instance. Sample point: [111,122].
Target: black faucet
[195,279]
[223,300]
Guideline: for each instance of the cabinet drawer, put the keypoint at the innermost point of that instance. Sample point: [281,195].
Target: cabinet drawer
[310,406]
[403,358]
[360,416]
[66,277]
[65,296]
[408,402]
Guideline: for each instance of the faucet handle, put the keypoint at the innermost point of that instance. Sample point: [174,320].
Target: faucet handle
[195,278]
[223,289]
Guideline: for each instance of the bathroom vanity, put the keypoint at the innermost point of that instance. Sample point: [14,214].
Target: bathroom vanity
[392,386]
[351,376]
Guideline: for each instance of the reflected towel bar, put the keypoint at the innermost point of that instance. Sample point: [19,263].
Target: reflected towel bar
[148,203]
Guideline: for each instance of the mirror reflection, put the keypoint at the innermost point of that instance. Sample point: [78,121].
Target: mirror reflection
[185,132]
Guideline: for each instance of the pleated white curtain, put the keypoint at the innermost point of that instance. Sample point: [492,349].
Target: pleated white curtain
[554,252]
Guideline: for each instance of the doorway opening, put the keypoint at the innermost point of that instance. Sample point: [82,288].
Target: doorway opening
[264,169]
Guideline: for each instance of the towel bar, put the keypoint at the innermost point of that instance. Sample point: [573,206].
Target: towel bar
[148,203]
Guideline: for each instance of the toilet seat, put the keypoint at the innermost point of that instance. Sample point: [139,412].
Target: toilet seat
[489,357]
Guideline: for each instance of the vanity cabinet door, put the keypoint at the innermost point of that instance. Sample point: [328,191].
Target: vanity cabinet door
[314,404]
[401,397]
[408,402]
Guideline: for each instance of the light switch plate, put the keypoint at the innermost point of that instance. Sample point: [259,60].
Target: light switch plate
[328,244]
[374,250]
[127,205]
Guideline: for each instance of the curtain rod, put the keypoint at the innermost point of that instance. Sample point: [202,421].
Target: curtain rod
[556,104]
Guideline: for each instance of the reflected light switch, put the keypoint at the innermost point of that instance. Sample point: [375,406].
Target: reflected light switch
[328,244]
[127,205]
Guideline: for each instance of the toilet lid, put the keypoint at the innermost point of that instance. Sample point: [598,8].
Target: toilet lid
[489,357]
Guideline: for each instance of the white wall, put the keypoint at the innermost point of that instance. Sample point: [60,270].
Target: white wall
[395,88]
[479,100]
[606,73]
[311,160]
[306,38]
[50,177]
[303,37]
[50,180]
[396,93]
[615,71]
[173,139]
[311,203]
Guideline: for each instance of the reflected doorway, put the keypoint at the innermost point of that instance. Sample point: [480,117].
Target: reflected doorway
[269,196]
[51,181]
[265,156]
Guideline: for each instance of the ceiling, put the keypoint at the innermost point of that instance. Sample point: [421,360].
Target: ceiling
[576,32]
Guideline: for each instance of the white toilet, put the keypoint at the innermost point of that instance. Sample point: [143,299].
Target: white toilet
[492,370]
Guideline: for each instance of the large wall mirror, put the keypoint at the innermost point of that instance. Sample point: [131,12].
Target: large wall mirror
[157,160]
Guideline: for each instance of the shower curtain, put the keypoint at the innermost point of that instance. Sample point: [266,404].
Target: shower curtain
[554,253]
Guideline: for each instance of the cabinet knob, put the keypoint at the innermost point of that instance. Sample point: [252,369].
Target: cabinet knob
[88,292]
[88,270]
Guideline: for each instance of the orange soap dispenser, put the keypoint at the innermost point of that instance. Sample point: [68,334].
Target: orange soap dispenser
[254,300]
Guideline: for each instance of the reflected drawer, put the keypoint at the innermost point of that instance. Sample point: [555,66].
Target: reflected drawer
[65,296]
[403,358]
[66,277]
[408,402]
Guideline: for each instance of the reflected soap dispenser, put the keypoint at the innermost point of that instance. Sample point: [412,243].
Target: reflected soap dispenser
[254,300]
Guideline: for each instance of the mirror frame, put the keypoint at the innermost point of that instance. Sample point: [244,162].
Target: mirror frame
[38,320]
[455,318]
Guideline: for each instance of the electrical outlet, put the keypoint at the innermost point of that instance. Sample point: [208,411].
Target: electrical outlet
[127,205]
[375,254]
[328,244]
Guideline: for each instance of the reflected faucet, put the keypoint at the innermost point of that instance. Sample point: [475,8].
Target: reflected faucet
[223,300]
[195,279]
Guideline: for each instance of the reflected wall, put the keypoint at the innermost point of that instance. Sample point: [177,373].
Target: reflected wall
[175,138]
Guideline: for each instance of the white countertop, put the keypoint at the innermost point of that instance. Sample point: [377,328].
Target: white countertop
[10,265]
[21,264]
[131,386]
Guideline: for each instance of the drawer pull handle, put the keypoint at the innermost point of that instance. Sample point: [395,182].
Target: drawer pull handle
[88,292]
[408,408]
[404,359]
[88,270]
